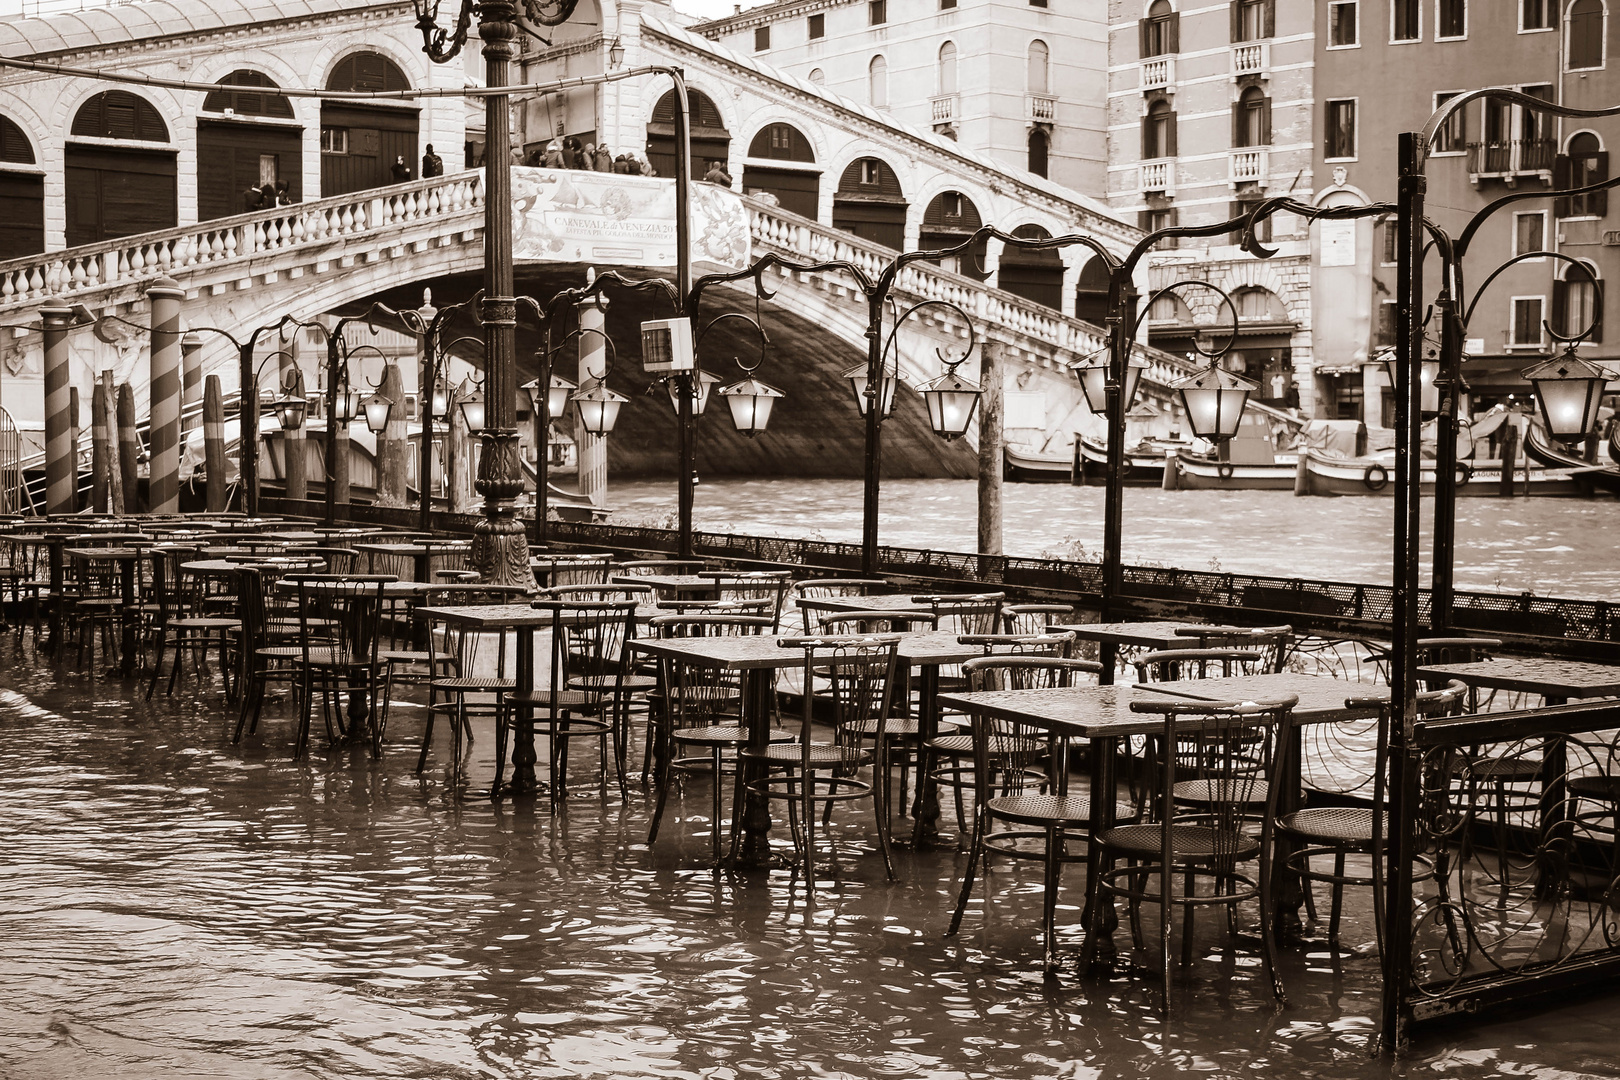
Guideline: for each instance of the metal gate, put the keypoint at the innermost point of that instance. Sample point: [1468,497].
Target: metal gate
[11,487]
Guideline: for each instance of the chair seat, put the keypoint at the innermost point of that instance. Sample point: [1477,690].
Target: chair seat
[713,735]
[1000,745]
[474,684]
[1508,769]
[1036,809]
[1605,788]
[822,755]
[1249,792]
[1188,843]
[280,652]
[630,684]
[893,728]
[405,656]
[1330,826]
[333,658]
[544,699]
[204,623]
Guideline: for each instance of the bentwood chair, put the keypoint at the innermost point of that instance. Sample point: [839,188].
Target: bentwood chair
[1034,618]
[181,622]
[463,662]
[1272,642]
[338,642]
[771,585]
[1017,811]
[808,775]
[829,588]
[1217,744]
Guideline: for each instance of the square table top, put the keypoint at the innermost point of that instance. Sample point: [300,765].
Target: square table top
[433,548]
[739,652]
[109,554]
[1321,697]
[1146,635]
[679,582]
[506,616]
[902,602]
[1535,675]
[391,590]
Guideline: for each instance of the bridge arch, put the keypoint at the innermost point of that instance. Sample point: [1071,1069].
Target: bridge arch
[361,143]
[244,141]
[707,126]
[1035,274]
[127,180]
[781,162]
[869,202]
[22,193]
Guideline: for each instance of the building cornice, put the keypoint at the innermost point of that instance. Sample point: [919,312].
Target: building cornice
[759,16]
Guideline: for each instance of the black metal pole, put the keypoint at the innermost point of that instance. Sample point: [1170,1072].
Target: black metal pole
[1449,384]
[685,389]
[333,345]
[874,431]
[542,446]
[424,470]
[247,436]
[1120,318]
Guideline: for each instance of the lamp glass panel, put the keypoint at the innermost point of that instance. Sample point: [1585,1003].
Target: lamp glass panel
[1569,406]
[858,381]
[950,411]
[378,412]
[1214,413]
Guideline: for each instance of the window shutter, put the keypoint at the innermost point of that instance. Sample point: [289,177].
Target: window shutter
[1172,31]
[1596,336]
[1144,32]
[1147,138]
[1144,220]
[1561,204]
[1560,307]
[1170,134]
[1599,201]
[1265,121]
[1271,18]
[1237,123]
[1234,11]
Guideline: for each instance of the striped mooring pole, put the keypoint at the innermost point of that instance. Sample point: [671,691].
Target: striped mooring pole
[213,417]
[191,382]
[165,296]
[57,320]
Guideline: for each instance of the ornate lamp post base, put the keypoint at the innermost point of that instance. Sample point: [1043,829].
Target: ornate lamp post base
[500,550]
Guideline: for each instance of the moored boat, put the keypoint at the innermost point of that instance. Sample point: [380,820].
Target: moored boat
[1144,462]
[1376,476]
[1026,465]
[1207,474]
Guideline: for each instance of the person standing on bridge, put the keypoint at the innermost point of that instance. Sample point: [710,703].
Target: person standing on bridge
[604,159]
[432,164]
[401,171]
[587,157]
[717,174]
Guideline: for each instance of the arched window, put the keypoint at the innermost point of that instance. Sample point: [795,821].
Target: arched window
[947,68]
[1091,292]
[367,71]
[252,101]
[877,83]
[1574,304]
[1168,307]
[1039,149]
[118,114]
[1037,79]
[15,149]
[817,76]
[1583,164]
[1033,273]
[1159,131]
[22,196]
[1257,303]
[784,142]
[1585,44]
[1251,119]
[1160,31]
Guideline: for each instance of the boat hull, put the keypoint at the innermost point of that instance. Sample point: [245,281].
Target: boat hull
[1141,470]
[1362,477]
[1024,467]
[1206,474]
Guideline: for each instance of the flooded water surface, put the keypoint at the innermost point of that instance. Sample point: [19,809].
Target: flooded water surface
[172,905]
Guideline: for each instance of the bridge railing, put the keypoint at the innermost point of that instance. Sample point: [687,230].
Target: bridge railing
[34,278]
[803,239]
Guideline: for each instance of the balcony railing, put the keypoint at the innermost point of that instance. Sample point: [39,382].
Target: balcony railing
[1509,158]
[1251,58]
[1040,108]
[1251,165]
[944,109]
[1159,73]
[1159,176]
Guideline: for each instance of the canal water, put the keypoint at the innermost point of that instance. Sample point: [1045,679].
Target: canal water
[174,906]
[1551,547]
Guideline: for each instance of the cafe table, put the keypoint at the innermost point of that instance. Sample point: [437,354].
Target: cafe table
[673,586]
[757,658]
[548,569]
[1110,637]
[126,559]
[1555,680]
[420,555]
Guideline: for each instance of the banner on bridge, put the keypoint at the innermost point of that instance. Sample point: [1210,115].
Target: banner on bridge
[573,216]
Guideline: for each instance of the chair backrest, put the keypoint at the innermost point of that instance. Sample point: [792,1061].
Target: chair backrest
[472,595]
[682,606]
[1169,665]
[578,570]
[175,592]
[255,616]
[338,560]
[1055,643]
[590,639]
[1274,641]
[769,585]
[1342,757]
[1034,618]
[602,594]
[874,622]
[685,626]
[659,567]
[818,588]
[1007,753]
[341,613]
[858,673]
[978,613]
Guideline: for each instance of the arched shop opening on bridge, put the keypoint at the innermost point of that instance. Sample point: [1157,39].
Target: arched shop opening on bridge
[1263,350]
[870,204]
[124,182]
[22,194]
[360,143]
[782,164]
[1091,293]
[1033,273]
[949,219]
[247,137]
[711,142]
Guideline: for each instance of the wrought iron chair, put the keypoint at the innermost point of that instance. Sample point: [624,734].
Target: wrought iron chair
[1274,642]
[180,622]
[458,669]
[771,585]
[338,642]
[1034,618]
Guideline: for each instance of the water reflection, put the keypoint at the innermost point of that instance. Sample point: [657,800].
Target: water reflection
[172,905]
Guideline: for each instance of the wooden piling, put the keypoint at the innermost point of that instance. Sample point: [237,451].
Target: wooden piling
[75,435]
[990,447]
[163,485]
[100,457]
[129,449]
[392,448]
[213,417]
[458,458]
[108,418]
[1077,468]
[1172,472]
[295,459]
[1510,451]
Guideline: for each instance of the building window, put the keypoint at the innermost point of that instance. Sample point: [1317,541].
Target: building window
[1574,305]
[1160,31]
[1152,221]
[1039,148]
[877,83]
[1249,19]
[1344,24]
[1451,19]
[1527,316]
[1585,163]
[1536,14]
[818,26]
[1452,136]
[947,68]
[1385,331]
[1036,79]
[1037,3]
[1391,231]
[1585,45]
[1159,132]
[1405,20]
[871,172]
[1340,137]
[1242,207]
[762,38]
[947,5]
[877,12]
[1529,232]
[1251,119]
[334,140]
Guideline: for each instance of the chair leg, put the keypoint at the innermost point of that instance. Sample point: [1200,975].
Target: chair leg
[1338,897]
[882,762]
[157,666]
[1049,894]
[661,769]
[504,716]
[975,851]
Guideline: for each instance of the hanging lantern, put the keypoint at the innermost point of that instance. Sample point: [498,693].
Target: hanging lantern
[290,412]
[1568,390]
[703,382]
[751,402]
[1094,384]
[1428,380]
[439,402]
[1214,400]
[378,411]
[951,400]
[348,404]
[470,400]
[598,407]
[857,377]
[555,400]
